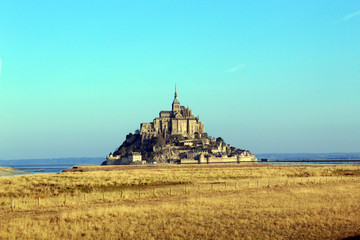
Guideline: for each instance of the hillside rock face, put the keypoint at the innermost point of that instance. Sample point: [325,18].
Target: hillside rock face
[175,136]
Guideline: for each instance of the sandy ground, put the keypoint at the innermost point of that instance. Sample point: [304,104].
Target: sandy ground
[7,171]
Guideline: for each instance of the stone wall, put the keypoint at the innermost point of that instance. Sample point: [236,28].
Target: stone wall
[250,158]
[224,159]
[189,161]
[134,158]
[121,161]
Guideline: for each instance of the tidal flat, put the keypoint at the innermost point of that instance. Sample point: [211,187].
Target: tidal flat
[6,171]
[243,201]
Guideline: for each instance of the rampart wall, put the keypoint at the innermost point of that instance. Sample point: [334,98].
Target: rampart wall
[209,160]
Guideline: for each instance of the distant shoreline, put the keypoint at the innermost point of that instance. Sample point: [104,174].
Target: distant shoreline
[20,170]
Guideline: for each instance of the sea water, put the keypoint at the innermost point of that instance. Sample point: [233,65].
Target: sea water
[37,169]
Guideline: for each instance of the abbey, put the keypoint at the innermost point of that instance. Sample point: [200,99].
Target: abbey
[176,136]
[178,121]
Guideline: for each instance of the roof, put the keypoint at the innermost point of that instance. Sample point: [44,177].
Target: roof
[176,101]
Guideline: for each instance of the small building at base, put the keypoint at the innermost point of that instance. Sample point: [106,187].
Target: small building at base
[132,158]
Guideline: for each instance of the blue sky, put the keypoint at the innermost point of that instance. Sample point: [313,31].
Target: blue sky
[274,76]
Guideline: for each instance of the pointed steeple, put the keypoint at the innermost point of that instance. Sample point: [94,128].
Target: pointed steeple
[175,91]
[176,100]
[176,103]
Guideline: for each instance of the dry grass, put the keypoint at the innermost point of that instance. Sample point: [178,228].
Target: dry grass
[291,207]
[73,183]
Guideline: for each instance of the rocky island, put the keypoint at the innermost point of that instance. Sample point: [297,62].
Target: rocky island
[176,136]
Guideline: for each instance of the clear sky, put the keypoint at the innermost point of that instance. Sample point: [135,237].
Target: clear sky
[268,76]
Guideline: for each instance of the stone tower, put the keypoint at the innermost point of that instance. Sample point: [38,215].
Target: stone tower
[176,103]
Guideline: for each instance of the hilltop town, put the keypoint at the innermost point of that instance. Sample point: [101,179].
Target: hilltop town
[176,136]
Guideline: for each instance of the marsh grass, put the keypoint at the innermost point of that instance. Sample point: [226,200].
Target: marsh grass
[347,172]
[73,183]
[248,202]
[128,193]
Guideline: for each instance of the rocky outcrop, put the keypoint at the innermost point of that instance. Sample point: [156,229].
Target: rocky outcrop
[179,149]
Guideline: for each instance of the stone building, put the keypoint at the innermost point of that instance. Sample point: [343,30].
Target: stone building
[178,121]
[132,158]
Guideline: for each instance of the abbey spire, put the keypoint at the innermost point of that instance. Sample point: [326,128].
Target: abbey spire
[175,91]
[176,103]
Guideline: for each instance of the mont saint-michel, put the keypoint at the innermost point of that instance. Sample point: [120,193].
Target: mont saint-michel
[176,136]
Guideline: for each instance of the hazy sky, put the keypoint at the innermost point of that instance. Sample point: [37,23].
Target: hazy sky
[268,76]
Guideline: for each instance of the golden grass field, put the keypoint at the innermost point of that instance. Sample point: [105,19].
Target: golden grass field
[183,202]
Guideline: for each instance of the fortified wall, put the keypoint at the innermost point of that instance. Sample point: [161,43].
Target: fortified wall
[133,158]
[206,159]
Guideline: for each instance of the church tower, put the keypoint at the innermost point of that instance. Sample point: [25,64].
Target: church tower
[176,103]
